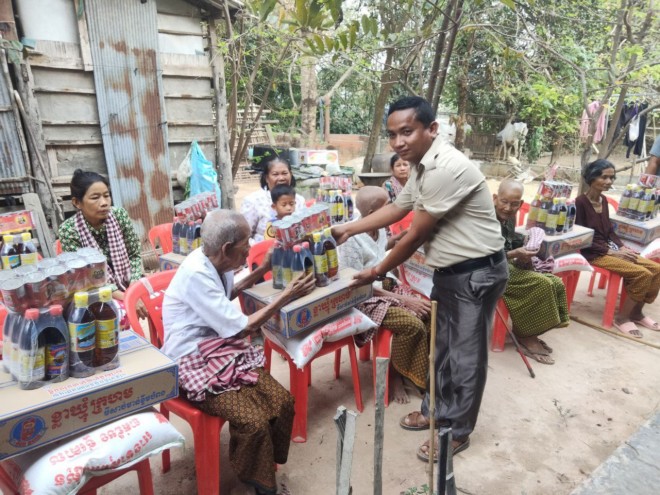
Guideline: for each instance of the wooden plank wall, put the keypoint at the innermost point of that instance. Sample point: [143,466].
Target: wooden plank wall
[66,97]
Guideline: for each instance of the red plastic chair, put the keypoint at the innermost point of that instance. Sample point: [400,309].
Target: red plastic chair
[161,235]
[58,247]
[257,254]
[613,203]
[300,379]
[143,469]
[500,323]
[206,428]
[613,283]
[522,213]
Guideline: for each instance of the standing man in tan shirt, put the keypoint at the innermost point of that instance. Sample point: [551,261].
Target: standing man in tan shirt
[456,222]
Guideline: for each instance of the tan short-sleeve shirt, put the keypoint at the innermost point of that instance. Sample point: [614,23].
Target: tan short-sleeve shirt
[448,186]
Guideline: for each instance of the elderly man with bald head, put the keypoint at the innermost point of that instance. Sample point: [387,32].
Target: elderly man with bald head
[536,301]
[220,372]
[393,307]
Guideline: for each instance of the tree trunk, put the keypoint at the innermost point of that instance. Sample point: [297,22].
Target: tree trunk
[387,81]
[437,57]
[309,98]
[447,55]
[222,151]
[462,101]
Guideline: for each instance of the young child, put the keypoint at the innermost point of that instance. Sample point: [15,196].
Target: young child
[284,203]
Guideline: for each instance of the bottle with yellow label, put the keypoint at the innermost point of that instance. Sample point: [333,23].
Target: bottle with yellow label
[29,254]
[31,353]
[9,254]
[106,314]
[82,330]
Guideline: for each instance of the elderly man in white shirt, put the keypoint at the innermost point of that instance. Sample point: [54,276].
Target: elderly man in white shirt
[219,370]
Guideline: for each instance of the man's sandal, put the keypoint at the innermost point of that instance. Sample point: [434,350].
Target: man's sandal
[414,421]
[457,447]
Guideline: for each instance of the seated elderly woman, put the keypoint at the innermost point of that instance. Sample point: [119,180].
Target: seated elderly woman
[109,229]
[397,310]
[536,301]
[640,276]
[220,372]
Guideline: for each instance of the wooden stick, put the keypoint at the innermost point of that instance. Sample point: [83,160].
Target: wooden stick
[379,432]
[515,341]
[434,313]
[613,332]
[347,454]
[340,423]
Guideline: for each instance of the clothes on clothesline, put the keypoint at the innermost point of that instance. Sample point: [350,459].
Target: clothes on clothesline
[634,138]
[599,132]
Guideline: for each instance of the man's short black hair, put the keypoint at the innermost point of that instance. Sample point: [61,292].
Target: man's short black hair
[423,110]
[281,190]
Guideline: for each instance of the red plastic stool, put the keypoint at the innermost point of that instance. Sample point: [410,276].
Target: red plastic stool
[499,327]
[300,379]
[613,282]
[570,280]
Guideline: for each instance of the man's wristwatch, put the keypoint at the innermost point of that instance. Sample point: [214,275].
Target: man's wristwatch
[375,275]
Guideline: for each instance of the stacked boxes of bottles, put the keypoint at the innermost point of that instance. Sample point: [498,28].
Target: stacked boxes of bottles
[553,210]
[636,218]
[187,224]
[61,321]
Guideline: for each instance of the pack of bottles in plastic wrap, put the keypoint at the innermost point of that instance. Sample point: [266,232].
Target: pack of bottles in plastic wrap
[336,193]
[640,201]
[18,250]
[61,321]
[552,209]
[187,224]
[304,244]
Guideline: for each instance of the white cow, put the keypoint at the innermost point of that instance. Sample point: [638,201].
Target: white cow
[512,136]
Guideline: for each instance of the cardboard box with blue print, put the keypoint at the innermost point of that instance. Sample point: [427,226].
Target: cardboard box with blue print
[640,232]
[559,245]
[170,261]
[33,418]
[315,308]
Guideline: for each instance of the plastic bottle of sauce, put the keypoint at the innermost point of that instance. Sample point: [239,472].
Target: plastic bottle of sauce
[552,218]
[297,263]
[31,353]
[287,262]
[28,254]
[277,267]
[348,207]
[638,192]
[331,253]
[176,229]
[183,239]
[57,344]
[543,213]
[308,259]
[320,261]
[643,206]
[338,201]
[190,237]
[533,212]
[570,216]
[624,203]
[563,213]
[9,254]
[107,330]
[82,331]
[197,237]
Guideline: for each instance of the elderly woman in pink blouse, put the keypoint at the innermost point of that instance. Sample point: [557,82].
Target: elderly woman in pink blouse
[257,207]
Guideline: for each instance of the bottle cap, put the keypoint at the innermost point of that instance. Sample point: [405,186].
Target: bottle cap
[105,294]
[32,314]
[297,248]
[55,310]
[8,238]
[81,299]
[327,232]
[305,245]
[316,236]
[26,236]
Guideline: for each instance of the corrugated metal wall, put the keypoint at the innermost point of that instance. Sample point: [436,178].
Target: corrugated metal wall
[13,163]
[123,35]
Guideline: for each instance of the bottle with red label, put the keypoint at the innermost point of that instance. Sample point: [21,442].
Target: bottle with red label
[31,363]
[56,337]
[82,332]
[106,314]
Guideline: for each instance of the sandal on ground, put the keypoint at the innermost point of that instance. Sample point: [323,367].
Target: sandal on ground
[540,357]
[649,323]
[457,447]
[414,421]
[629,328]
[546,346]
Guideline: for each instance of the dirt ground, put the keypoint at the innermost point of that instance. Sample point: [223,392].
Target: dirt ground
[537,436]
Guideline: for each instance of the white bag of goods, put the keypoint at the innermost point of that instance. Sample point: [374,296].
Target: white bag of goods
[652,251]
[303,347]
[572,262]
[65,466]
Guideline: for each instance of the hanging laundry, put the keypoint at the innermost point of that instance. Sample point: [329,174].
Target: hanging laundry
[599,132]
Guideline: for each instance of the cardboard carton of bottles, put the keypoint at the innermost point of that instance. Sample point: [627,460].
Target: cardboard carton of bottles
[636,230]
[33,418]
[322,304]
[566,243]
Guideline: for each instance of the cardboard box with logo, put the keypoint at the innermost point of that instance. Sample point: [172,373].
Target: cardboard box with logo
[417,273]
[640,232]
[33,418]
[170,261]
[570,242]
[304,313]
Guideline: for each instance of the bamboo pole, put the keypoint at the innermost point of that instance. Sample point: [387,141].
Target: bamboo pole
[434,312]
[614,333]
